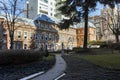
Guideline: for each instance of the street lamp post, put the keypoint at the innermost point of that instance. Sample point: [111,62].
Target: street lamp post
[62,48]
[27,15]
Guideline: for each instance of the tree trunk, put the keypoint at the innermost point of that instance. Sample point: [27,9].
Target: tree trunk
[117,38]
[11,45]
[86,27]
[11,41]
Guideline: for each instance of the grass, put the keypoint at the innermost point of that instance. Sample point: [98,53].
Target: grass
[50,57]
[111,61]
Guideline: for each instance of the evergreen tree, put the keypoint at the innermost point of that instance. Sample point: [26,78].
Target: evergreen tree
[77,10]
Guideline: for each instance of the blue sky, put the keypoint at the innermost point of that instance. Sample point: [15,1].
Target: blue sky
[97,11]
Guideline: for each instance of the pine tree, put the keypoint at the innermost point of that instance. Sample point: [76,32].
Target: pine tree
[77,10]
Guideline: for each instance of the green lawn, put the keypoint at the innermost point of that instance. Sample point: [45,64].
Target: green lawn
[111,61]
[50,57]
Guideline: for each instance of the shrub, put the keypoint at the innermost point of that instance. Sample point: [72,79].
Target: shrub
[57,52]
[116,46]
[80,50]
[67,50]
[46,53]
[102,44]
[19,56]
[96,42]
[77,48]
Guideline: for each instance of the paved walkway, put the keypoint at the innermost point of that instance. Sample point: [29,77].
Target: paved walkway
[56,71]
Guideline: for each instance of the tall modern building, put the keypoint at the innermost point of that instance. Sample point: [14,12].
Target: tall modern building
[58,5]
[36,7]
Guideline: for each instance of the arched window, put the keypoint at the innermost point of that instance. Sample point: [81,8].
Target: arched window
[42,36]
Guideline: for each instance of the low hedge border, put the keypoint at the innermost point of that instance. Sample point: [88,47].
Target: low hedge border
[10,57]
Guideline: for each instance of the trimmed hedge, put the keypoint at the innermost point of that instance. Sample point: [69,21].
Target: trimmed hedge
[96,42]
[9,57]
[102,44]
[46,53]
[116,46]
[81,50]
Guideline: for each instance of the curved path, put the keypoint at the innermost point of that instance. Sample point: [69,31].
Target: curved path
[56,71]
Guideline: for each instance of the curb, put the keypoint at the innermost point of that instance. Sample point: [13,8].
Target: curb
[60,76]
[31,76]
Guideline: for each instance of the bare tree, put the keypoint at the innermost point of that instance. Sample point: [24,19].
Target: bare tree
[113,22]
[11,9]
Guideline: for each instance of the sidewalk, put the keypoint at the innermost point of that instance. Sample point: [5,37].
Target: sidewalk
[56,71]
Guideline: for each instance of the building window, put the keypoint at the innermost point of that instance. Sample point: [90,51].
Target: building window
[46,26]
[42,46]
[46,38]
[82,39]
[53,37]
[36,45]
[19,46]
[51,3]
[78,39]
[39,24]
[39,36]
[42,36]
[25,46]
[31,35]
[79,32]
[46,1]
[51,26]
[57,38]
[94,32]
[25,34]
[51,14]
[36,36]
[50,37]
[51,9]
[19,34]
[46,47]
[42,25]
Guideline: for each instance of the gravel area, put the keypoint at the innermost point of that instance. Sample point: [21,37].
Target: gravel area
[78,69]
[15,72]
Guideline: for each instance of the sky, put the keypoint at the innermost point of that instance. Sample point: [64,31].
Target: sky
[97,11]
[20,5]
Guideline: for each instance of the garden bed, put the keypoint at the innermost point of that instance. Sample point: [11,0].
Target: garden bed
[18,71]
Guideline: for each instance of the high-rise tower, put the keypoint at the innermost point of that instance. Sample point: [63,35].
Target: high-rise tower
[37,7]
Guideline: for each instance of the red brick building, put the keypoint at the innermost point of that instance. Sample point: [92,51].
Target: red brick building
[80,33]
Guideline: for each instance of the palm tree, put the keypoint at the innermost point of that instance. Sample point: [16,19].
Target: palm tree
[77,10]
